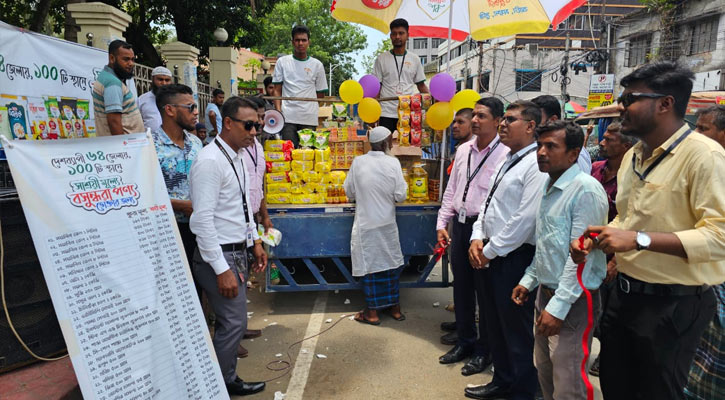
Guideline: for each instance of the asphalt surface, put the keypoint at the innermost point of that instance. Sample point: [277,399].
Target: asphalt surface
[395,360]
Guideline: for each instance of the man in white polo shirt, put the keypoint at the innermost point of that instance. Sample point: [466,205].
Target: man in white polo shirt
[399,73]
[299,75]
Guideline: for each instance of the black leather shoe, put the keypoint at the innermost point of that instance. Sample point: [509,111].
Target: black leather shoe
[241,388]
[487,392]
[476,364]
[448,326]
[450,339]
[455,355]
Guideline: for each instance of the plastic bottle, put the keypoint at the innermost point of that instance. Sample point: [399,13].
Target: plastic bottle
[418,184]
[406,177]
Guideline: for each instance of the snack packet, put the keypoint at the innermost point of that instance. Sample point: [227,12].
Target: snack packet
[415,137]
[276,156]
[18,121]
[282,187]
[82,107]
[278,145]
[323,167]
[279,198]
[89,126]
[322,140]
[323,155]
[296,177]
[404,102]
[404,137]
[306,137]
[278,166]
[416,121]
[303,154]
[415,102]
[337,177]
[302,166]
[427,100]
[276,177]
[425,138]
[312,177]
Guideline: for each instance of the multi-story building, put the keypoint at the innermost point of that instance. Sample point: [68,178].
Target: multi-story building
[697,40]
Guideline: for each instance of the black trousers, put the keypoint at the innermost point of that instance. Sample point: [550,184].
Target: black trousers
[390,123]
[189,240]
[510,327]
[648,343]
[467,285]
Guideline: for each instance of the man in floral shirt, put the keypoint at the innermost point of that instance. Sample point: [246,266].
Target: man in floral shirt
[176,149]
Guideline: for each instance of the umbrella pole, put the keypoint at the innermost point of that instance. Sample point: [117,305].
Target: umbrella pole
[444,148]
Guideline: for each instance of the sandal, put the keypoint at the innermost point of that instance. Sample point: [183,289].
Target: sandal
[360,317]
[400,318]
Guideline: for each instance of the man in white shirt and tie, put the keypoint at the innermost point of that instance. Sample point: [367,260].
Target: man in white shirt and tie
[502,244]
[225,232]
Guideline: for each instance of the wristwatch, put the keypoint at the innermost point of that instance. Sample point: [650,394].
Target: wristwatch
[643,241]
[258,241]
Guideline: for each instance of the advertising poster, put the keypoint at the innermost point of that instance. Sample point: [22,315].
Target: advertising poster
[601,90]
[112,257]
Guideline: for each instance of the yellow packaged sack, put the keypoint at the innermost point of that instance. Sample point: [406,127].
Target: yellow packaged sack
[275,145]
[305,199]
[276,177]
[323,167]
[326,179]
[302,166]
[303,154]
[322,188]
[337,177]
[275,156]
[278,166]
[309,188]
[284,187]
[323,155]
[296,188]
[296,177]
[279,198]
[312,176]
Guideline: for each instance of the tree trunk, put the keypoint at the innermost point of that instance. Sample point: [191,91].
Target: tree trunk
[145,50]
[40,16]
[71,28]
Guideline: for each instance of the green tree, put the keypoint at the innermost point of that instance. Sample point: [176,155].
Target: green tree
[668,11]
[368,61]
[330,40]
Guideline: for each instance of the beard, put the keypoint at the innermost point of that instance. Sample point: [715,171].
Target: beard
[154,88]
[184,125]
[121,73]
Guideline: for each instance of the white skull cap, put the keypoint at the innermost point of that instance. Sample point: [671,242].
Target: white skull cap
[378,134]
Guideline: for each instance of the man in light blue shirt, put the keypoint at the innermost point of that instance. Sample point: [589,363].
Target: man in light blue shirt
[212,115]
[571,201]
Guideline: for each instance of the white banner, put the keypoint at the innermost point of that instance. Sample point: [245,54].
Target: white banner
[46,85]
[112,257]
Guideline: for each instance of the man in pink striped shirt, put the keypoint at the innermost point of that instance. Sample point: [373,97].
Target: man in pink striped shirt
[475,163]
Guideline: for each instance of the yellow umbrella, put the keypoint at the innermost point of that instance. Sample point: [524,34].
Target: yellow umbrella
[482,19]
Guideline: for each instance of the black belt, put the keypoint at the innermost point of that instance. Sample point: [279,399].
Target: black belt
[627,284]
[241,246]
[469,220]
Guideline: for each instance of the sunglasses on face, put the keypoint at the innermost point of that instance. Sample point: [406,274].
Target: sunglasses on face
[190,107]
[511,119]
[628,99]
[248,125]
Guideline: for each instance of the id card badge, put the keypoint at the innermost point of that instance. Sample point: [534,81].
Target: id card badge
[250,237]
[462,215]
[399,89]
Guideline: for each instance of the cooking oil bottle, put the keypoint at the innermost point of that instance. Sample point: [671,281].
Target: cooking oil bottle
[406,177]
[418,184]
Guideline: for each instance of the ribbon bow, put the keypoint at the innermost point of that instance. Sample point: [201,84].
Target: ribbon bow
[440,249]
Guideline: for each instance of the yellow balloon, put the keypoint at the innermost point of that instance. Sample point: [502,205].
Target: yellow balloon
[465,99]
[351,92]
[369,110]
[439,115]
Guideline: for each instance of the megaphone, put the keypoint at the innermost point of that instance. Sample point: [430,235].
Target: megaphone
[273,121]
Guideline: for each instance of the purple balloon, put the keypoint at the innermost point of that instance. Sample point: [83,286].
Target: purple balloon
[442,87]
[370,85]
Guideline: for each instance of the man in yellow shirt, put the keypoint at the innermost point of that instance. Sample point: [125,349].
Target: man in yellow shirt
[668,236]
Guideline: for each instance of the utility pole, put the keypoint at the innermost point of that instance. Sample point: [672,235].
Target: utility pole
[565,69]
[480,66]
[465,65]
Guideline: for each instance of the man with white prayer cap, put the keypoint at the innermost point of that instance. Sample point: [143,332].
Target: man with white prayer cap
[375,183]
[160,76]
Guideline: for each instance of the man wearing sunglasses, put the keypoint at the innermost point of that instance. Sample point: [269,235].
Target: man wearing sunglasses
[177,149]
[225,231]
[668,236]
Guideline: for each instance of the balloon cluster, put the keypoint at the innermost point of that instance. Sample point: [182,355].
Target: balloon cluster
[448,102]
[363,94]
[439,116]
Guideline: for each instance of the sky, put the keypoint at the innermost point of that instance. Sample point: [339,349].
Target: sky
[374,37]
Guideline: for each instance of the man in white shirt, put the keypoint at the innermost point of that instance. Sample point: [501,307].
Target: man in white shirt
[212,115]
[399,73]
[299,75]
[551,111]
[223,223]
[375,182]
[502,244]
[160,76]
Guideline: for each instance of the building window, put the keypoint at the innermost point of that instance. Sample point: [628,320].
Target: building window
[574,22]
[469,82]
[420,43]
[704,35]
[458,85]
[528,80]
[423,60]
[433,57]
[638,50]
[436,42]
[484,82]
[443,59]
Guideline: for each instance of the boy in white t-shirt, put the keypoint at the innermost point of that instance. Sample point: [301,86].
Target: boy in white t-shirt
[299,75]
[399,73]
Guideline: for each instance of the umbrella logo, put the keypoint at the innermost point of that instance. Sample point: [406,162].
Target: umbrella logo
[377,4]
[434,8]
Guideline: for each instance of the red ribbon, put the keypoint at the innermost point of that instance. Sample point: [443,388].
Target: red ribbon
[440,249]
[590,322]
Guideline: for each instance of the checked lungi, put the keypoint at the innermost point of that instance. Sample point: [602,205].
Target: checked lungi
[707,373]
[382,289]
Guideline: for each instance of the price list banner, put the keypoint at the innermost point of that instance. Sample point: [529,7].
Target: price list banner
[105,234]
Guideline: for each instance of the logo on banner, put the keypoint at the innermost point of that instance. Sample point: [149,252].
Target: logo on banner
[377,4]
[434,8]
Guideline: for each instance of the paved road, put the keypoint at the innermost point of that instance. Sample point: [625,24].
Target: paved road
[395,360]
